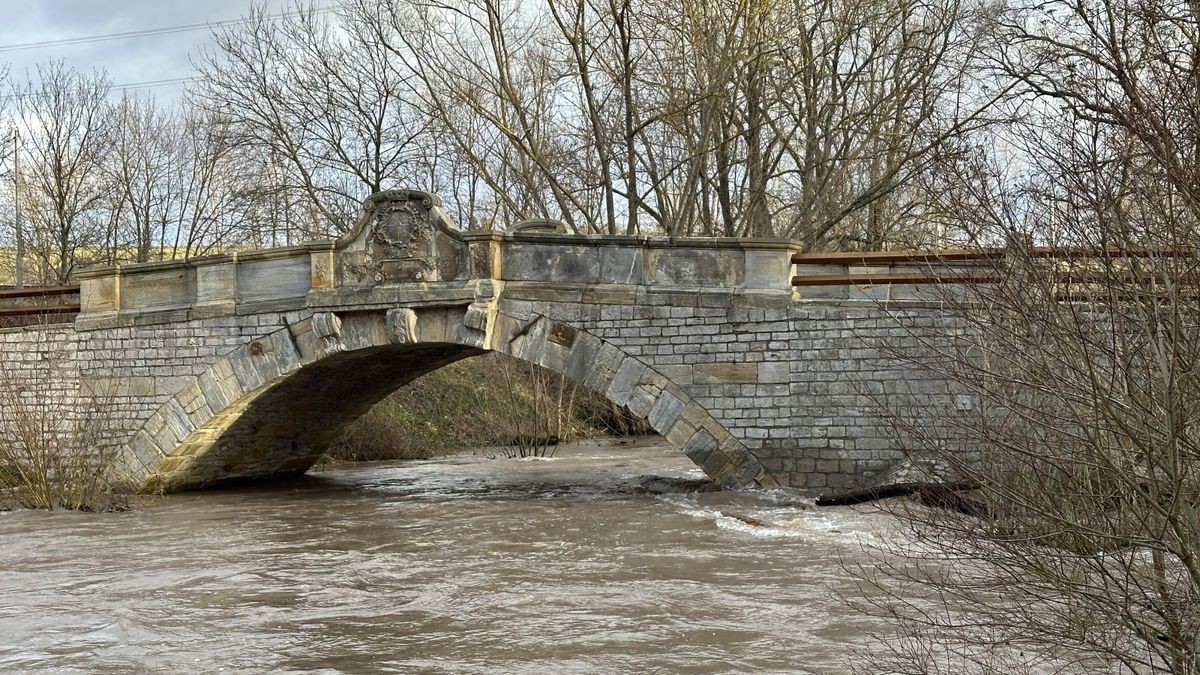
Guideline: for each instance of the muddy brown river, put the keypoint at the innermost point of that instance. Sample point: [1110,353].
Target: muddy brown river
[596,561]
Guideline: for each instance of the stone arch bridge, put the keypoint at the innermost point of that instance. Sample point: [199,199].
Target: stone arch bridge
[248,365]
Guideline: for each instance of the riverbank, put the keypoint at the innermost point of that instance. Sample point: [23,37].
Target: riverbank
[484,401]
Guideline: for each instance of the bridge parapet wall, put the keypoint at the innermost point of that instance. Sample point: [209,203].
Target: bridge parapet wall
[404,246]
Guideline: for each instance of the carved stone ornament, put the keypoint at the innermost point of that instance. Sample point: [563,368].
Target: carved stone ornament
[402,236]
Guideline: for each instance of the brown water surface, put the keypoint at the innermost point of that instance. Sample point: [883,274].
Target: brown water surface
[584,563]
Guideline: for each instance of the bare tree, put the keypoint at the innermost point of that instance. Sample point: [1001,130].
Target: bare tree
[1081,552]
[65,130]
[739,117]
[218,183]
[51,445]
[142,166]
[319,99]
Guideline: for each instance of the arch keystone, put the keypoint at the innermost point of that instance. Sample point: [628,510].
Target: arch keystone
[402,326]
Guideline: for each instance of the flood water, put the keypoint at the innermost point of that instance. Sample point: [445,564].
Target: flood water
[590,562]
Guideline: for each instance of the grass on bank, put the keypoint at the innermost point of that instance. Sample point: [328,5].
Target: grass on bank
[489,401]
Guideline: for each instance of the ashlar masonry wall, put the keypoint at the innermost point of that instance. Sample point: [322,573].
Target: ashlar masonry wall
[819,391]
[39,381]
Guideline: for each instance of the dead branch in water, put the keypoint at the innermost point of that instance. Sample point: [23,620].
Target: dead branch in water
[891,490]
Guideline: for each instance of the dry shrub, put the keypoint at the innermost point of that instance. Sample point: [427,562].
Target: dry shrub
[1084,361]
[51,450]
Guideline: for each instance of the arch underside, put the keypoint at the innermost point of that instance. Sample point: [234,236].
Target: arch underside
[274,406]
[285,428]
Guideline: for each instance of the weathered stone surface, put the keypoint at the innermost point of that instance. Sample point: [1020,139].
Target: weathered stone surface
[778,372]
[680,374]
[700,447]
[699,267]
[402,326]
[724,373]
[584,354]
[603,368]
[157,289]
[664,413]
[551,262]
[625,381]
[765,269]
[273,279]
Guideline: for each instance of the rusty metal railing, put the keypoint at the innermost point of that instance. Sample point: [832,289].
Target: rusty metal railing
[39,301]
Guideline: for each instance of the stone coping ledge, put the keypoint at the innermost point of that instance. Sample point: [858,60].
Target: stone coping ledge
[306,248]
[639,241]
[435,294]
[65,325]
[202,261]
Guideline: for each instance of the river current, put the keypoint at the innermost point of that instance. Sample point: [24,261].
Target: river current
[603,559]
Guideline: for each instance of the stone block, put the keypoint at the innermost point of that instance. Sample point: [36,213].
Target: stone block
[321,269]
[679,374]
[625,381]
[621,265]
[664,412]
[609,295]
[100,295]
[248,376]
[679,433]
[603,368]
[725,373]
[640,401]
[556,262]
[554,357]
[216,281]
[165,287]
[700,447]
[274,279]
[434,324]
[530,341]
[145,450]
[778,372]
[402,326]
[364,330]
[768,269]
[176,419]
[695,267]
[485,260]
[584,355]
[284,351]
[128,470]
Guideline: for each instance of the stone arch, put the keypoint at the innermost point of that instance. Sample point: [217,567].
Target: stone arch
[272,406]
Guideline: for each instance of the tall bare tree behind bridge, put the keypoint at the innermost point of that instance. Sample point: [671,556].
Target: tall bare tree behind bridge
[734,118]
[65,132]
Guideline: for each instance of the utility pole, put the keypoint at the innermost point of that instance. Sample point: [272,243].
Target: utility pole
[20,252]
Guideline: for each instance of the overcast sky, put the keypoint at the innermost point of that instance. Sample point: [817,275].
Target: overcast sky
[136,59]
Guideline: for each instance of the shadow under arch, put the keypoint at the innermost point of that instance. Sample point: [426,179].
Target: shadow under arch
[272,406]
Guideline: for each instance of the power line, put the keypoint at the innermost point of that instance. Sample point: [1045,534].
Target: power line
[154,83]
[166,30]
[115,87]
